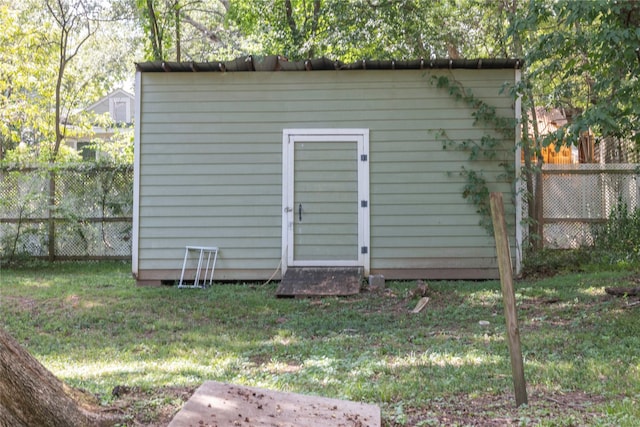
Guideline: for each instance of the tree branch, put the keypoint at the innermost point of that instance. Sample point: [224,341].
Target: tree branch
[207,33]
[291,20]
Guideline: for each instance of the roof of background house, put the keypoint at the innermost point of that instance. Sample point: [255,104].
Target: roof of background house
[279,63]
[116,92]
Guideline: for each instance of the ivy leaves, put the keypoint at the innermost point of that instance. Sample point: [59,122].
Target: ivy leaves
[476,189]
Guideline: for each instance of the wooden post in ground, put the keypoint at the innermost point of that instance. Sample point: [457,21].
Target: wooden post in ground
[508,296]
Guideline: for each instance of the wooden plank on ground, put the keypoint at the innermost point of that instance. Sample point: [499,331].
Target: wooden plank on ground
[420,305]
[220,404]
[320,281]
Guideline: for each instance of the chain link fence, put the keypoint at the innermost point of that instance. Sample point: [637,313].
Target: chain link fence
[91,213]
[71,212]
[576,198]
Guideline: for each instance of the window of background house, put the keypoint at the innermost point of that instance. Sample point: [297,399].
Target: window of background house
[120,110]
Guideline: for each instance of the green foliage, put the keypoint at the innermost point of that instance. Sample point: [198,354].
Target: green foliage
[28,155]
[617,242]
[99,56]
[21,197]
[582,58]
[345,30]
[117,150]
[549,262]
[187,30]
[156,18]
[82,191]
[497,130]
[27,58]
[616,246]
[361,29]
[476,191]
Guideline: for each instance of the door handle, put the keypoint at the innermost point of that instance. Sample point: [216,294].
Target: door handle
[300,212]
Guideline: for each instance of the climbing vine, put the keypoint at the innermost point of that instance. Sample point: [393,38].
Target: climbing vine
[476,189]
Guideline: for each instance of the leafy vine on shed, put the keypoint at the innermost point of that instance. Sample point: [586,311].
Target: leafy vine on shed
[476,189]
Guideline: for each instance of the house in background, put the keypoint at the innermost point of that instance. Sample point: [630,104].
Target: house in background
[606,150]
[550,121]
[286,165]
[120,105]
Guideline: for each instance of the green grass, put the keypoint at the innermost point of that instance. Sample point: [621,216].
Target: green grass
[91,326]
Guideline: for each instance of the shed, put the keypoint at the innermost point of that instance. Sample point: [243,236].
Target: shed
[314,163]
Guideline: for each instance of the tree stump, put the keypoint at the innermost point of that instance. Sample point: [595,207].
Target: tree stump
[30,395]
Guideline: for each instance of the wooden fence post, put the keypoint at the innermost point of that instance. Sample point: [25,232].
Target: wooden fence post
[508,296]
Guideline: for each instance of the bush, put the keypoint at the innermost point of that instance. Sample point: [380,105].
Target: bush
[91,214]
[616,243]
[547,262]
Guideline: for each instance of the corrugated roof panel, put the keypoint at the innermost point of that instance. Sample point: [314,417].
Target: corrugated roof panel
[278,63]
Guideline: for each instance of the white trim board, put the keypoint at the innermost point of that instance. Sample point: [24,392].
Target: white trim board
[135,228]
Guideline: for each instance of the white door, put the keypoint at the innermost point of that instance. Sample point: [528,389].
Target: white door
[325,198]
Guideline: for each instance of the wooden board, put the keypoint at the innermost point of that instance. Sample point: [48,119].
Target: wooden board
[219,404]
[320,281]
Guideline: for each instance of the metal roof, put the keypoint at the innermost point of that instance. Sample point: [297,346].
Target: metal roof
[278,63]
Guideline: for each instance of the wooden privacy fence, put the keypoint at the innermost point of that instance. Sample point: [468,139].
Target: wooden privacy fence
[66,212]
[578,197]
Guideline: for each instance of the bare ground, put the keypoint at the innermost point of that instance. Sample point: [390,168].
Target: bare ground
[156,408]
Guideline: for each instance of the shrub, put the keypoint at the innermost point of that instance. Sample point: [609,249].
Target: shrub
[617,242]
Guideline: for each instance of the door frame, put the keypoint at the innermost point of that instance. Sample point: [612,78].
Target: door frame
[360,136]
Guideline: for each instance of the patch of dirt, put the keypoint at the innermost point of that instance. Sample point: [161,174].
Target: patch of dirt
[23,303]
[156,408]
[500,410]
[149,408]
[401,302]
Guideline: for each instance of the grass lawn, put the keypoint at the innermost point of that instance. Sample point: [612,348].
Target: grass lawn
[93,328]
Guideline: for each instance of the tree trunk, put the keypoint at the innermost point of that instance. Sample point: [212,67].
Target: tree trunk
[538,199]
[51,244]
[31,396]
